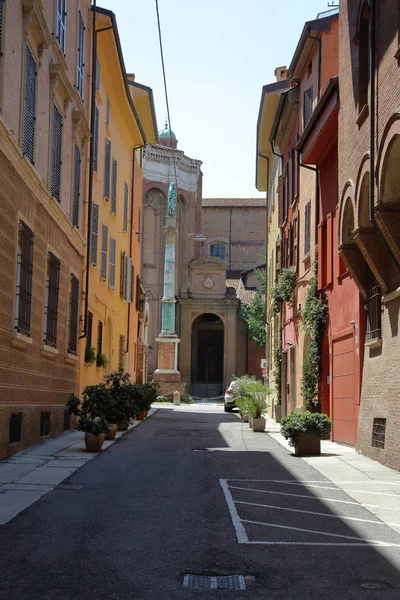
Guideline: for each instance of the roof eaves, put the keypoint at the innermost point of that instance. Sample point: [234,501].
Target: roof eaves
[282,101]
[151,99]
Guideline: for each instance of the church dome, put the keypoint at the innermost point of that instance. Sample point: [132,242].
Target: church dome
[167,134]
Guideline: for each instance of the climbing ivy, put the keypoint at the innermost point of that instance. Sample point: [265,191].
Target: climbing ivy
[283,290]
[277,372]
[314,317]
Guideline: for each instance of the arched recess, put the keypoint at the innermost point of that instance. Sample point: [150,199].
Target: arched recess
[207,355]
[349,251]
[361,214]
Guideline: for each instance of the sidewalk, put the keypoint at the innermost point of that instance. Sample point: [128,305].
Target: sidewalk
[32,473]
[373,485]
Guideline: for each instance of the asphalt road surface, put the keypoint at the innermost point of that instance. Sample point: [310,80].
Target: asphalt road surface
[194,491]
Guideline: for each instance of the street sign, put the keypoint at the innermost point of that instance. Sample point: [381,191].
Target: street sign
[264,371]
[263,363]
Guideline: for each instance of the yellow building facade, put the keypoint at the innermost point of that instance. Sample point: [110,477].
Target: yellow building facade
[123,123]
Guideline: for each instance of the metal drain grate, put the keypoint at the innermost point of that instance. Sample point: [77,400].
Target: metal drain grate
[225,582]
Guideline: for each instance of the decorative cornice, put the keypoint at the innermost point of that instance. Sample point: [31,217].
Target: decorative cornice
[167,156]
[33,10]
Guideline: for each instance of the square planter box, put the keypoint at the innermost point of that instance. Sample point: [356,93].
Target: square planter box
[308,445]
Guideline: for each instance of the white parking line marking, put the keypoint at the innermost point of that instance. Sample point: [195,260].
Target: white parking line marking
[342,544]
[237,523]
[303,484]
[370,492]
[310,512]
[236,487]
[335,535]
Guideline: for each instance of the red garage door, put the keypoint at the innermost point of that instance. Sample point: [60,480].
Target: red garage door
[343,390]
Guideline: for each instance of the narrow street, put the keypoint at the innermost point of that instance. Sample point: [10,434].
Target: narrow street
[194,491]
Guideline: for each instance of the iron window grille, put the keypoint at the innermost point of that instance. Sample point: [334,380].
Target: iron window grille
[100,338]
[51,309]
[111,270]
[121,352]
[114,187]
[81,56]
[24,280]
[94,234]
[76,186]
[218,251]
[307,228]
[126,192]
[44,424]
[96,139]
[56,153]
[89,331]
[15,428]
[107,169]
[104,247]
[373,308]
[307,108]
[61,23]
[379,433]
[73,316]
[28,139]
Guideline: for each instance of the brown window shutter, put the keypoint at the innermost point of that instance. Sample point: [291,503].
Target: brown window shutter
[290,178]
[296,170]
[280,200]
[296,241]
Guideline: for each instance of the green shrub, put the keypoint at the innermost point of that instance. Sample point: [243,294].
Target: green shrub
[124,397]
[149,394]
[250,396]
[101,361]
[90,355]
[306,422]
[284,289]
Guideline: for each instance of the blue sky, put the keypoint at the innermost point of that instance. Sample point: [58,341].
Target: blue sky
[218,55]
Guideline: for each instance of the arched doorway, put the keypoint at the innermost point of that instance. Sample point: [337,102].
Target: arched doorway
[207,372]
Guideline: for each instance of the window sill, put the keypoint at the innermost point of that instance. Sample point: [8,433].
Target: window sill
[374,343]
[48,351]
[364,112]
[21,341]
[71,359]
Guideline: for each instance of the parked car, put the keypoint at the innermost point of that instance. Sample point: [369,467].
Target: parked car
[229,402]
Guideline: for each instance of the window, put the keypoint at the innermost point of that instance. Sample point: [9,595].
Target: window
[126,200]
[373,308]
[61,23]
[307,228]
[107,169]
[51,304]
[44,424]
[108,111]
[104,247]
[76,186]
[56,149]
[114,187]
[121,352]
[138,288]
[96,139]
[363,57]
[28,140]
[307,108]
[127,272]
[100,338]
[378,433]
[15,428]
[73,316]
[81,55]
[67,421]
[218,250]
[89,329]
[111,271]
[23,297]
[94,234]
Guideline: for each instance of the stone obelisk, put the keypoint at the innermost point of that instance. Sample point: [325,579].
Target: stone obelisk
[167,374]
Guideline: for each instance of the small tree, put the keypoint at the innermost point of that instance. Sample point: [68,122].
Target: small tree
[254,316]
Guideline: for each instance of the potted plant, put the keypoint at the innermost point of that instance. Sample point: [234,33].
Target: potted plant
[95,432]
[239,391]
[305,431]
[90,355]
[101,361]
[123,405]
[257,403]
[150,391]
[90,411]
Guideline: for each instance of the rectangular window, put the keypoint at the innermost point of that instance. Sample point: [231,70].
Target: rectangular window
[51,304]
[76,187]
[97,74]
[307,108]
[81,55]
[104,247]
[114,187]
[218,251]
[126,200]
[100,338]
[96,139]
[28,141]
[107,169]
[111,270]
[121,352]
[138,287]
[56,153]
[67,421]
[108,111]
[61,23]
[373,308]
[379,433]
[44,424]
[15,428]
[128,279]
[94,234]
[89,329]
[307,228]
[73,316]
[23,297]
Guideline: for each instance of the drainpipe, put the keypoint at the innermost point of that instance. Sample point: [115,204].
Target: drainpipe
[372,64]
[91,156]
[266,255]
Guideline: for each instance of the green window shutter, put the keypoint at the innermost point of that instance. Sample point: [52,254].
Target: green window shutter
[96,139]
[76,185]
[28,142]
[56,150]
[94,234]
[81,55]
[126,192]
[107,169]
[114,187]
[111,271]
[73,316]
[104,246]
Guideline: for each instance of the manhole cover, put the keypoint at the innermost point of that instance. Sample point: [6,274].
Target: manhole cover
[371,585]
[225,582]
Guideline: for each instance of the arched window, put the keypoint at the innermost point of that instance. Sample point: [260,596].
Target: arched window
[363,55]
[218,250]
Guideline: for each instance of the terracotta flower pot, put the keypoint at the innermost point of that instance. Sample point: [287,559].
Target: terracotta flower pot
[142,415]
[308,444]
[259,424]
[112,433]
[123,425]
[94,442]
